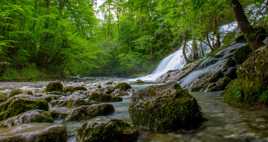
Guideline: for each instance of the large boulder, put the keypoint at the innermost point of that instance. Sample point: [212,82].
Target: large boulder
[28,117]
[88,112]
[19,104]
[251,86]
[34,133]
[106,130]
[165,108]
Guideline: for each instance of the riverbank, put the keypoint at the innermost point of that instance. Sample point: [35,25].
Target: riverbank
[223,122]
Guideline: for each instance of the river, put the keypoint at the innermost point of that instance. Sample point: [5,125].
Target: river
[224,123]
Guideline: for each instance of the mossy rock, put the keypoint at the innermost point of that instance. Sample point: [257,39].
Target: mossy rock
[20,104]
[36,132]
[173,110]
[56,86]
[100,97]
[252,80]
[28,117]
[88,112]
[15,92]
[242,54]
[123,86]
[72,89]
[106,130]
[3,97]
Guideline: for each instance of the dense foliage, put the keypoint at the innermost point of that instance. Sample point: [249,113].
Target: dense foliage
[58,38]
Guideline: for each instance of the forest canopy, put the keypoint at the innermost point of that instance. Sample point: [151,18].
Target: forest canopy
[61,38]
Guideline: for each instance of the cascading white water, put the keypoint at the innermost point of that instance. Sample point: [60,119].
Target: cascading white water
[174,61]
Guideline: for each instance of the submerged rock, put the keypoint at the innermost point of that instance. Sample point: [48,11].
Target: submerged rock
[34,133]
[56,86]
[19,104]
[106,130]
[252,84]
[165,108]
[88,112]
[28,117]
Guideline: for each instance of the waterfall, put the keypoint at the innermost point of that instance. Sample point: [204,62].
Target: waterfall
[174,61]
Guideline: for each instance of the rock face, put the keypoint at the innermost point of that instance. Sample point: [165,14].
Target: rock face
[19,104]
[106,130]
[87,112]
[34,133]
[28,117]
[165,108]
[212,73]
[56,86]
[251,86]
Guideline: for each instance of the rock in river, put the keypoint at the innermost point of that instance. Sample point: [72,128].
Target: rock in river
[56,86]
[165,108]
[28,117]
[106,130]
[34,133]
[19,104]
[90,111]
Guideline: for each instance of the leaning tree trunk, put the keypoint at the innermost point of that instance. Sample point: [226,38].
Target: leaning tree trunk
[252,36]
[184,51]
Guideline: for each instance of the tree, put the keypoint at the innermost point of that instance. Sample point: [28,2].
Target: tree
[253,35]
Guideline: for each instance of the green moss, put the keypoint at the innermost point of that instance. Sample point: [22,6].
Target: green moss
[233,93]
[72,89]
[54,87]
[263,98]
[242,54]
[44,117]
[106,130]
[15,106]
[15,92]
[252,81]
[123,86]
[167,112]
[117,99]
[3,97]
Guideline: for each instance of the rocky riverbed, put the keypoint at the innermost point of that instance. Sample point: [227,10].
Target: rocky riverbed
[223,123]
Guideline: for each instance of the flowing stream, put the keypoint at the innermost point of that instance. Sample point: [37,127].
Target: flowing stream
[224,123]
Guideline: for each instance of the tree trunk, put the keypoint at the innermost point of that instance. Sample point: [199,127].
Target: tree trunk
[209,42]
[195,50]
[184,51]
[252,36]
